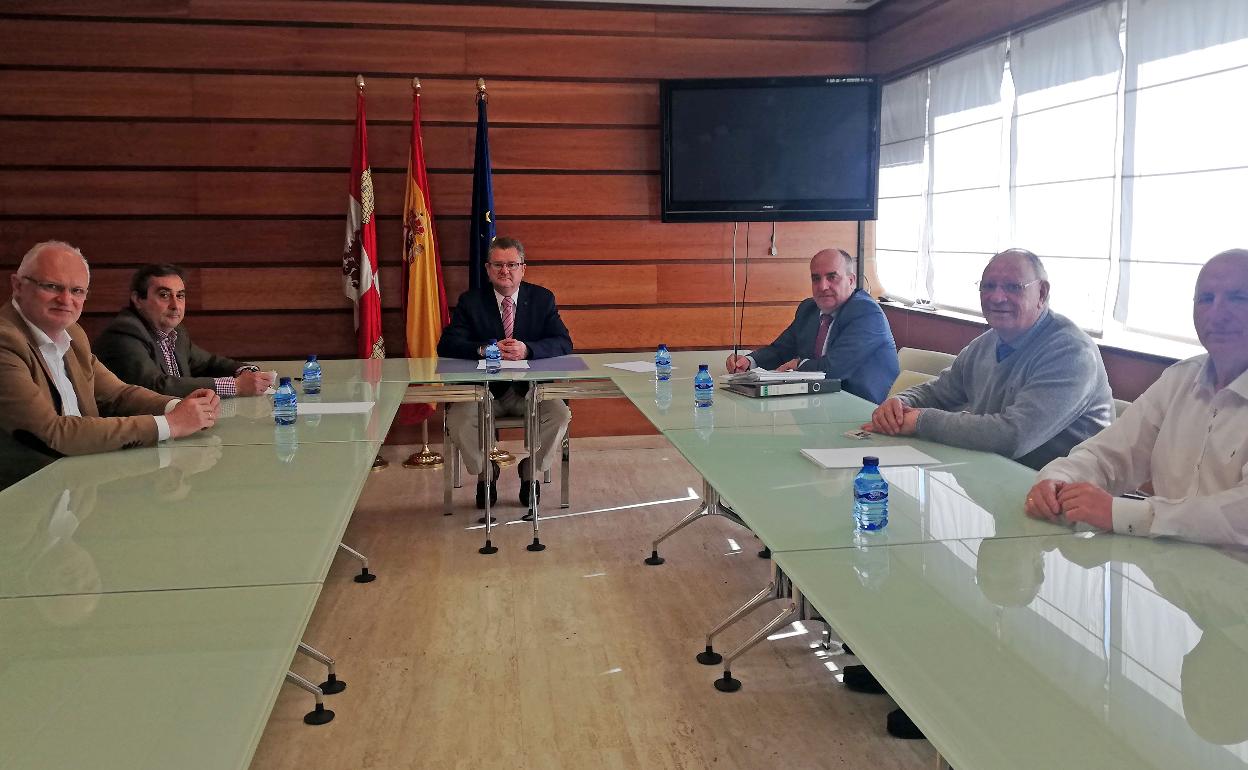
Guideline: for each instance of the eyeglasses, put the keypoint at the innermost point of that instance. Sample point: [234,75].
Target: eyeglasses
[508,266]
[56,289]
[1013,289]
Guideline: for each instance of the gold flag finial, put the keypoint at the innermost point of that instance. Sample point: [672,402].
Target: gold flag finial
[415,84]
[359,82]
[481,88]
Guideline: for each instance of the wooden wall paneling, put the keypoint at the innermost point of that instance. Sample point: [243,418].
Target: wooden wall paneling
[63,193]
[232,47]
[320,97]
[473,16]
[580,285]
[627,57]
[652,240]
[683,327]
[769,281]
[319,241]
[281,145]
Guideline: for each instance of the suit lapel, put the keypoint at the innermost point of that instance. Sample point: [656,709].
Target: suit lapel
[181,353]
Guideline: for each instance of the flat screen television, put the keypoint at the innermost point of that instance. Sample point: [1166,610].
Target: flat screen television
[770,149]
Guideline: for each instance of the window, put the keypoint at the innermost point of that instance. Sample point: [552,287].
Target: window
[1105,141]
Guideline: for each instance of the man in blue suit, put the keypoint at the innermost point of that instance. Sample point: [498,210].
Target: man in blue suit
[840,331]
[524,319]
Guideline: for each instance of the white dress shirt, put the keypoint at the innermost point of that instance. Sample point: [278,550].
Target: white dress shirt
[515,301]
[1190,442]
[53,352]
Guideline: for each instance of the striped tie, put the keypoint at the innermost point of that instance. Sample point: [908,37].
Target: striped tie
[509,317]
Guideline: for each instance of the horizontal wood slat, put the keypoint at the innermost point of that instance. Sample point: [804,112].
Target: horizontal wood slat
[63,193]
[310,97]
[261,48]
[469,16]
[254,289]
[603,57]
[318,146]
[265,242]
[274,48]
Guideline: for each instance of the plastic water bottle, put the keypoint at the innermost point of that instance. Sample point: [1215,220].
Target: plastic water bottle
[312,376]
[314,419]
[493,358]
[703,387]
[872,560]
[870,496]
[285,404]
[663,363]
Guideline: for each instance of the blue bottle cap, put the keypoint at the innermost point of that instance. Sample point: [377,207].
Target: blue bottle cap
[311,359]
[868,460]
[703,367]
[493,342]
[283,381]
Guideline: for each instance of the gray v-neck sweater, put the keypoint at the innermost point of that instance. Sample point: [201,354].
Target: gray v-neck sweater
[1034,406]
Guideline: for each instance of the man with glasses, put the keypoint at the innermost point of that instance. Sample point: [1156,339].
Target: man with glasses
[524,319]
[1187,436]
[840,331]
[1030,388]
[146,344]
[53,390]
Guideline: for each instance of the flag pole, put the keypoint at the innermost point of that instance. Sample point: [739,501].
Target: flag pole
[425,459]
[498,454]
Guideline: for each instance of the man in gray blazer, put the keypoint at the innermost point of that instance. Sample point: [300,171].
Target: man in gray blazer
[147,345]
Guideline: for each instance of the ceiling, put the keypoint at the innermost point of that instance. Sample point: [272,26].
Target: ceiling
[769,5]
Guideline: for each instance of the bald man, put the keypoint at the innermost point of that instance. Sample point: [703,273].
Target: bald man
[53,390]
[1030,388]
[1187,436]
[840,331]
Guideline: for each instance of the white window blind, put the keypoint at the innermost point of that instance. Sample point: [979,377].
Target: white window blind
[1065,156]
[903,188]
[1185,163]
[965,143]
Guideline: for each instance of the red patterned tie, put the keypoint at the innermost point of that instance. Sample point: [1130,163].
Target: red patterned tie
[821,339]
[509,317]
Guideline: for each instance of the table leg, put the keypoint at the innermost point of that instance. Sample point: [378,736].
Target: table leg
[532,404]
[790,613]
[486,423]
[778,587]
[712,505]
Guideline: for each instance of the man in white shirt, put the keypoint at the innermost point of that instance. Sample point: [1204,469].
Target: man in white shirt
[53,391]
[1187,436]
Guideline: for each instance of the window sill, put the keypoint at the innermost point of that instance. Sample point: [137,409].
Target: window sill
[1130,343]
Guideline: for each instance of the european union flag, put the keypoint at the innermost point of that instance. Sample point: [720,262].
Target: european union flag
[481,234]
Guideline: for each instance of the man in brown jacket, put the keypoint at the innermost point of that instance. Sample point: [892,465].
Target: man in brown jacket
[52,389]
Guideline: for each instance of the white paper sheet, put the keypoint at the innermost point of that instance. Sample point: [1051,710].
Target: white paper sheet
[641,367]
[342,407]
[851,457]
[506,364]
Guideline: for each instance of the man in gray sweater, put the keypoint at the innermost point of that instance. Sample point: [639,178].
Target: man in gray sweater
[1030,388]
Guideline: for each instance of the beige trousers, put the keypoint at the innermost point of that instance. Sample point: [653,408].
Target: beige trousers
[552,422]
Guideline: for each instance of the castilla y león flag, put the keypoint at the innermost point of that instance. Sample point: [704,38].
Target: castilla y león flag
[359,256]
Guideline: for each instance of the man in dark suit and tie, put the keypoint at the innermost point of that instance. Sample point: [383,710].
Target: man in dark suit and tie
[840,331]
[524,319]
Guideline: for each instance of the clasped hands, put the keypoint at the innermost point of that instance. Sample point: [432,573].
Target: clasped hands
[893,418]
[1077,501]
[513,349]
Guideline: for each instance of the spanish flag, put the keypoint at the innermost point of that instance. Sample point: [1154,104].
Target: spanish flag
[424,297]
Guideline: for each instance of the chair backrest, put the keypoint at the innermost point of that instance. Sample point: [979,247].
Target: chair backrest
[927,361]
[1120,406]
[908,379]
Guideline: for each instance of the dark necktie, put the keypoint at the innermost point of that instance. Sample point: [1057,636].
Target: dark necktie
[821,339]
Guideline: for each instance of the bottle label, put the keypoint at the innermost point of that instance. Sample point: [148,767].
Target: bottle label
[874,496]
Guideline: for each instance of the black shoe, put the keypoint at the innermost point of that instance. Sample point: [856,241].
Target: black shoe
[493,489]
[900,726]
[859,679]
[526,479]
